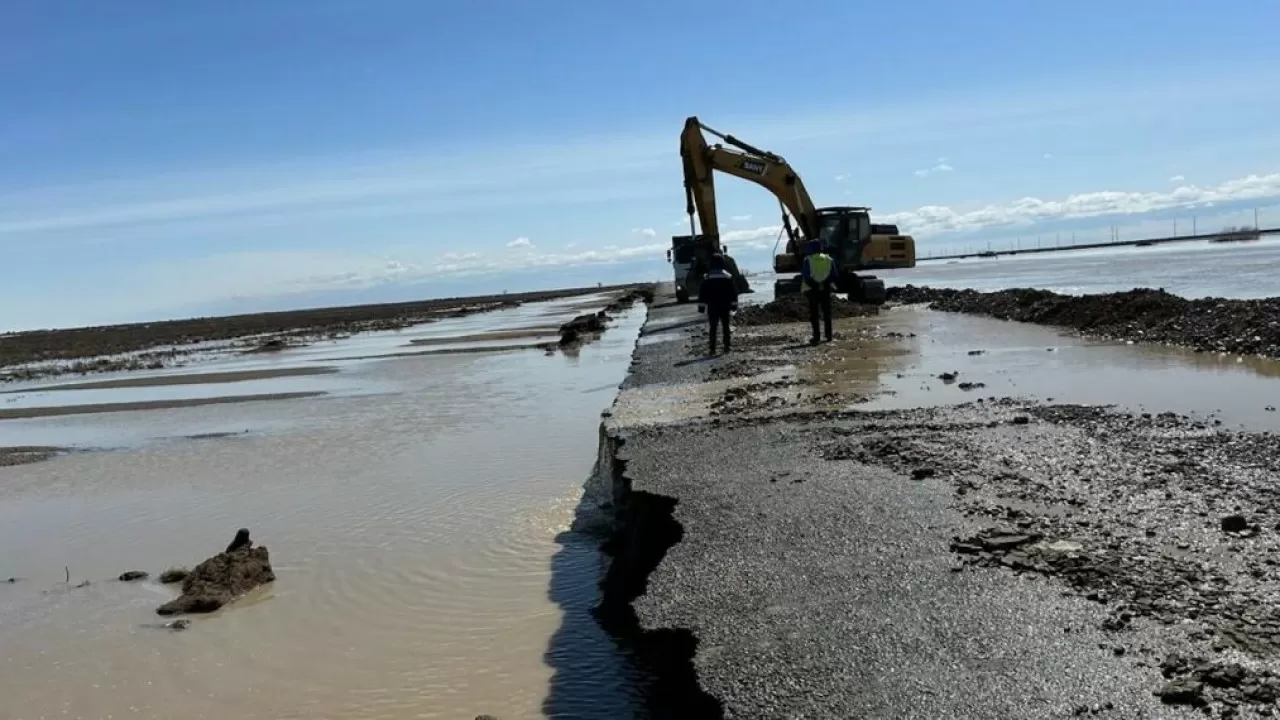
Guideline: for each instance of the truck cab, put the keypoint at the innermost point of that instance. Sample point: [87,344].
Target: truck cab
[681,255]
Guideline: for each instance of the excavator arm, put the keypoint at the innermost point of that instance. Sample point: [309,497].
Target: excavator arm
[763,168]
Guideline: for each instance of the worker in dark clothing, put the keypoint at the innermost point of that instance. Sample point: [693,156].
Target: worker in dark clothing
[718,298]
[818,273]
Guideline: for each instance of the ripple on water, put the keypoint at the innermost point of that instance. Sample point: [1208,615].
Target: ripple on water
[419,539]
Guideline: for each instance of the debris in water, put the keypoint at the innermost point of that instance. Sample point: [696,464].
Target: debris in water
[131,575]
[173,575]
[222,578]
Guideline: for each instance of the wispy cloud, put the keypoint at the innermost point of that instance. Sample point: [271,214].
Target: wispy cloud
[1177,178]
[940,167]
[520,242]
[647,232]
[842,177]
[931,220]
[740,218]
[1048,156]
[934,219]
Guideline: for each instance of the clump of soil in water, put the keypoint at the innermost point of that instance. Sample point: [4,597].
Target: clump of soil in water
[1140,315]
[221,579]
[795,308]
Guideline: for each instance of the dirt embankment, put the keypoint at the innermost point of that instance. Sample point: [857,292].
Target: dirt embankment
[1170,523]
[585,328]
[1249,327]
[154,345]
[795,308]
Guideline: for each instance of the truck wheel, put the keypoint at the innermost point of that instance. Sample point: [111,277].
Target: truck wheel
[682,296]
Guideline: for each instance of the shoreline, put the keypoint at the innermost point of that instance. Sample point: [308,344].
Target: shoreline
[777,558]
[34,354]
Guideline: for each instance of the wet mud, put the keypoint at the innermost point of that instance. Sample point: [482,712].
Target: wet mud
[589,326]
[23,455]
[795,308]
[56,410]
[185,379]
[1172,524]
[1244,327]
[42,353]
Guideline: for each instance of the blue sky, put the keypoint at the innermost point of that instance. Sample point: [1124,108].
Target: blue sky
[161,159]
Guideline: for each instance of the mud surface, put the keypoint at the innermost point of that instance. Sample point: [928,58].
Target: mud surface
[795,308]
[157,344]
[1140,315]
[587,327]
[1171,526]
[23,455]
[56,410]
[993,558]
[222,578]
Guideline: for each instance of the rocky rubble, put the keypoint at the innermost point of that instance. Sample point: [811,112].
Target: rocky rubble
[1249,327]
[1161,519]
[794,308]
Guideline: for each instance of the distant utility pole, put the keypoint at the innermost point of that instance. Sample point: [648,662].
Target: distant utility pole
[1193,224]
[1175,227]
[1255,218]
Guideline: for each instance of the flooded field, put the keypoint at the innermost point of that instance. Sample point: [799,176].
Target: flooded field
[416,505]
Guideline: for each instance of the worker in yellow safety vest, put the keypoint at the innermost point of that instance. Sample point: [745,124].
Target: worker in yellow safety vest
[818,276]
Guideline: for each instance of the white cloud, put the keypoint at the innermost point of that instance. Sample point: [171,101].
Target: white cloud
[1048,156]
[933,219]
[647,232]
[1177,178]
[740,218]
[936,219]
[942,166]
[520,242]
[570,246]
[842,177]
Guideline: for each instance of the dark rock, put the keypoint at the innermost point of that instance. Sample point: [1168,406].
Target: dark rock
[131,575]
[1182,692]
[221,579]
[1021,420]
[173,575]
[1224,676]
[971,385]
[1234,523]
[948,377]
[922,473]
[179,624]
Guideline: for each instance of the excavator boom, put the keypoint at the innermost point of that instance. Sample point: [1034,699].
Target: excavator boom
[846,232]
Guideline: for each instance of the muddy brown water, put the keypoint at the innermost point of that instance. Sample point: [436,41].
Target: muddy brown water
[417,513]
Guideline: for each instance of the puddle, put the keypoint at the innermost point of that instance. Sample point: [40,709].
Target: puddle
[1031,361]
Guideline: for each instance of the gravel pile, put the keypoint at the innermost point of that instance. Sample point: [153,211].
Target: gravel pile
[1141,315]
[795,308]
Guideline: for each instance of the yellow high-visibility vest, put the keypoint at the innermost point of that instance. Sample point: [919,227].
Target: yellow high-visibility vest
[820,266]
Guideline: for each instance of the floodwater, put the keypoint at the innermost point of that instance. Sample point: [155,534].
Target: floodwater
[1191,269]
[900,367]
[418,510]
[1046,364]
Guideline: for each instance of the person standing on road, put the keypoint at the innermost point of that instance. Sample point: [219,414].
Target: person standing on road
[818,274]
[718,298]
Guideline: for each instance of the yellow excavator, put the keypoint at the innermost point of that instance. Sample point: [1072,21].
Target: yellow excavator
[846,233]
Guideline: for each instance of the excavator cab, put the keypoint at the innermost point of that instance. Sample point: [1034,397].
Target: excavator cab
[849,237]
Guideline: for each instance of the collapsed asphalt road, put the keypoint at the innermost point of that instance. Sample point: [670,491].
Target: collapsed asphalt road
[786,558]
